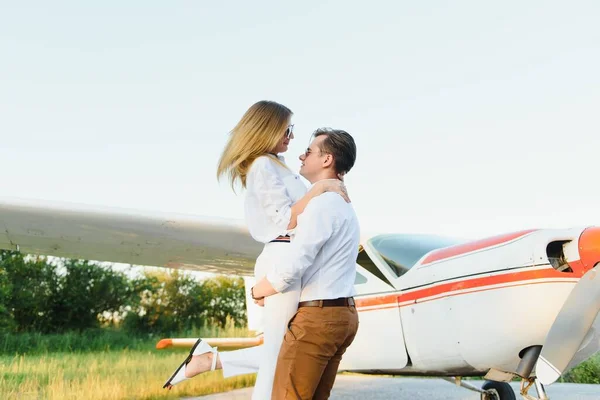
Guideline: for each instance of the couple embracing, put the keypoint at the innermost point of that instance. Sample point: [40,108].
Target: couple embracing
[306,271]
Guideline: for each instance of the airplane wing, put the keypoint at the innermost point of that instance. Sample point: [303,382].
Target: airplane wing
[127,236]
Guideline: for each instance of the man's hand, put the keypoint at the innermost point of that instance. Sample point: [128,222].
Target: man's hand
[260,302]
[262,289]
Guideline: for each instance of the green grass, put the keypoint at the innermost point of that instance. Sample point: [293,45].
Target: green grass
[99,340]
[126,374]
[103,364]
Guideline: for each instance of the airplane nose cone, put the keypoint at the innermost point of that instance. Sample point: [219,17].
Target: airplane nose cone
[589,247]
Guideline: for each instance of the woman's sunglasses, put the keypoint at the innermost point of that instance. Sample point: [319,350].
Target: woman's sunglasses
[289,131]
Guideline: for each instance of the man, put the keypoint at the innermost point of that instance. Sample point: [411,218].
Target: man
[323,256]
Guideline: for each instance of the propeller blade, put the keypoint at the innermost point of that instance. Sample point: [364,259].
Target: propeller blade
[570,327]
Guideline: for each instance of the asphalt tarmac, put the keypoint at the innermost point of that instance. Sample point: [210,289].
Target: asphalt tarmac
[358,387]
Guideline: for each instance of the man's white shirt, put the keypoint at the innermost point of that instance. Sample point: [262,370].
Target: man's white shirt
[323,251]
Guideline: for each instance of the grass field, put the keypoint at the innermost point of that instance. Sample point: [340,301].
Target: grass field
[102,365]
[105,375]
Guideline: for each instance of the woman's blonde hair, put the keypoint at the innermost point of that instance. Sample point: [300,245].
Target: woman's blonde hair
[258,133]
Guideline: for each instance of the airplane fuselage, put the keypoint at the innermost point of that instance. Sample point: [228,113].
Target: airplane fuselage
[466,309]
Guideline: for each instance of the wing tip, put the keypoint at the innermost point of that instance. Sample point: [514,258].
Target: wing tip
[164,343]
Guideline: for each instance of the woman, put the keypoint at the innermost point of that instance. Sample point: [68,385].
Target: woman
[275,196]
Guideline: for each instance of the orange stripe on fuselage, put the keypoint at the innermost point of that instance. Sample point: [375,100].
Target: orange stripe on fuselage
[447,289]
[460,249]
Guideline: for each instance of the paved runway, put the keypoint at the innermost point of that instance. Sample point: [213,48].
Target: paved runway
[357,387]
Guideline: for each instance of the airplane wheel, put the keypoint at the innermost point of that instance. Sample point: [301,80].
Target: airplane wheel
[504,390]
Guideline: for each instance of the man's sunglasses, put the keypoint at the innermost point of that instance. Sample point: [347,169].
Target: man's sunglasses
[289,131]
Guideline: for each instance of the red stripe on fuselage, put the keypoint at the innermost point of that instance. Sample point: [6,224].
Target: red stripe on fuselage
[509,279]
[460,249]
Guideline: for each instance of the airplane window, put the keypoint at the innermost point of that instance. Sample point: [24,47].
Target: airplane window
[402,251]
[556,256]
[365,261]
[360,279]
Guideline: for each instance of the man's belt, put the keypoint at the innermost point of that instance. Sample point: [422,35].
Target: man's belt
[341,302]
[281,239]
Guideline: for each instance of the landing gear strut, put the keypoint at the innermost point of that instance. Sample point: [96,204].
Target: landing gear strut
[539,388]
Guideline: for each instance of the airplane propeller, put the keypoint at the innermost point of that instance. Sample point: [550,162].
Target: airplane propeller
[570,327]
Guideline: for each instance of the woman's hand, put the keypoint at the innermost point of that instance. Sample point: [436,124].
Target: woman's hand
[260,302]
[334,185]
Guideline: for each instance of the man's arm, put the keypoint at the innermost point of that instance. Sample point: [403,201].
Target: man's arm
[315,227]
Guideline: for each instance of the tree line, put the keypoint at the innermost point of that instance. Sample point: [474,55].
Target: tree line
[65,295]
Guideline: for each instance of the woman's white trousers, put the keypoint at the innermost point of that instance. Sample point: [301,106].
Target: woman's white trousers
[277,312]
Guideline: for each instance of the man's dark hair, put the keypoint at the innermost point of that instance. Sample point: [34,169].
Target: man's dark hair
[341,145]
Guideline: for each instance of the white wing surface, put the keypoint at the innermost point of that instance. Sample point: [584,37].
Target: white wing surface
[127,236]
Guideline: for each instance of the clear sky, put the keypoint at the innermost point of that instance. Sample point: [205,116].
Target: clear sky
[471,118]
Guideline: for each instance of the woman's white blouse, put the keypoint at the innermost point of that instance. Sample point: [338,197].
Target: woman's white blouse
[271,190]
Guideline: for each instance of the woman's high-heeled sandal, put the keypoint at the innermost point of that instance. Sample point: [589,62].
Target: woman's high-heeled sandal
[199,348]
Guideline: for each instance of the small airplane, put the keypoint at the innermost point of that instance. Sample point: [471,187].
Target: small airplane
[517,305]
